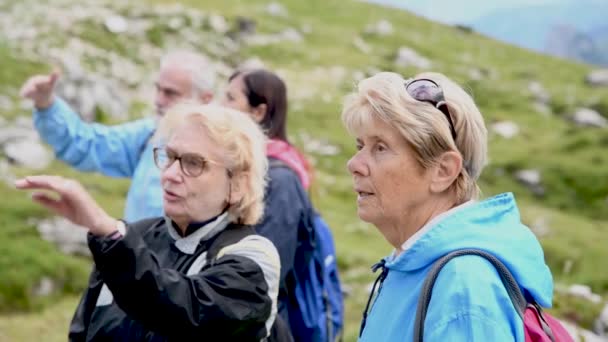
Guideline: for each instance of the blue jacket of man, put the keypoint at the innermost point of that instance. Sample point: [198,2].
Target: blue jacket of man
[469,301]
[117,151]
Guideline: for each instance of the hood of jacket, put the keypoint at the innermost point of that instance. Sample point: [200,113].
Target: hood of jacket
[493,225]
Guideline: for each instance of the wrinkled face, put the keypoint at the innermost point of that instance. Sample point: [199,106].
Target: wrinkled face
[234,96]
[173,84]
[193,199]
[390,184]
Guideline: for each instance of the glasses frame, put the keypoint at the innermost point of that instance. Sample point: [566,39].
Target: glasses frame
[432,94]
[204,161]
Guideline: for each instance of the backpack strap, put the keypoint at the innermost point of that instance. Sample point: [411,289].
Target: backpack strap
[517,298]
[274,163]
[228,236]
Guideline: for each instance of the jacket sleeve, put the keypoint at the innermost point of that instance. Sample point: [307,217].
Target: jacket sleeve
[111,150]
[234,297]
[80,322]
[285,206]
[469,326]
[470,303]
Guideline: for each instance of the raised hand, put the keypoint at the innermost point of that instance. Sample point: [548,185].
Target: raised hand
[40,89]
[70,200]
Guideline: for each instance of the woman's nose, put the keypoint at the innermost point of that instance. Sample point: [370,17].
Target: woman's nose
[356,165]
[173,172]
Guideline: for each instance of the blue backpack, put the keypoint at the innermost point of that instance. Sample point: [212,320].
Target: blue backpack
[316,305]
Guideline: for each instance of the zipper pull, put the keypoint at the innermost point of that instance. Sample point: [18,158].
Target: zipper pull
[379,279]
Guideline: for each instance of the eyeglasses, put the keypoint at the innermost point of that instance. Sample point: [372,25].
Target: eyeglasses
[426,90]
[191,164]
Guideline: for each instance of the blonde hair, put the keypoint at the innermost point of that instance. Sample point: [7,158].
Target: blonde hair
[424,127]
[244,150]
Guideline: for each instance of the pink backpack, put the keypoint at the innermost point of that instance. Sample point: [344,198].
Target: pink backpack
[538,325]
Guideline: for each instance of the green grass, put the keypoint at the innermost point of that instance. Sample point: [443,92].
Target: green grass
[572,160]
[50,324]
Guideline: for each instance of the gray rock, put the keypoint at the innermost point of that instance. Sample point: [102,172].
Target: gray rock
[475,74]
[601,323]
[359,76]
[276,9]
[540,227]
[218,23]
[291,35]
[5,173]
[318,147]
[542,108]
[68,237]
[287,35]
[532,180]
[251,63]
[5,103]
[586,117]
[44,288]
[598,78]
[116,24]
[584,292]
[176,23]
[506,129]
[539,92]
[72,68]
[380,28]
[361,45]
[15,133]
[26,105]
[528,177]
[28,153]
[407,57]
[579,334]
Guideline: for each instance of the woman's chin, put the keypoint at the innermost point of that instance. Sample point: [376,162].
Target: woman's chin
[365,216]
[171,211]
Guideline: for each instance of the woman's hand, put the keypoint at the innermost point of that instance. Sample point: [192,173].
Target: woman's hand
[71,201]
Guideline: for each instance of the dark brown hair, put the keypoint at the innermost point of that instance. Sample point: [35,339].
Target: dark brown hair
[265,87]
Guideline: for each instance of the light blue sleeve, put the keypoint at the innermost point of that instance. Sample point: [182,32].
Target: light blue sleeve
[111,150]
[470,303]
[468,327]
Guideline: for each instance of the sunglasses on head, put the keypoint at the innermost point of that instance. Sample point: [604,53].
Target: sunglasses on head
[425,90]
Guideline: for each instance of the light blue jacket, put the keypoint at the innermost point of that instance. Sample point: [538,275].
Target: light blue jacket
[469,302]
[117,151]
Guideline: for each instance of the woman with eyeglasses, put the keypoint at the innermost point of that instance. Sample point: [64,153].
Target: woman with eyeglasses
[198,274]
[421,146]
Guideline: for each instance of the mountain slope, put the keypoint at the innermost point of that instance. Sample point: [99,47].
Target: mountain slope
[321,63]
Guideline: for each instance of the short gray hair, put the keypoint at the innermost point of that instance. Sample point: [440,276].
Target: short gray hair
[197,65]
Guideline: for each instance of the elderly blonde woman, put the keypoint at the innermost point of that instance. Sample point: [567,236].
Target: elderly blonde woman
[200,272]
[421,145]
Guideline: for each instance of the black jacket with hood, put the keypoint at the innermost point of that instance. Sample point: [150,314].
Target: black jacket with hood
[220,281]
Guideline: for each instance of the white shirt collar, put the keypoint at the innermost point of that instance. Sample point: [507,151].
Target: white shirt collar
[188,244]
[414,238]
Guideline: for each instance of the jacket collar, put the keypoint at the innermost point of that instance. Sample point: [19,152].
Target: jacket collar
[196,232]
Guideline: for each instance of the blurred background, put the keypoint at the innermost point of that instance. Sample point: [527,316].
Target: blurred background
[533,67]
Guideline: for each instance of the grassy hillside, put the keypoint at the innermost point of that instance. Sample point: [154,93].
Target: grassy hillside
[320,71]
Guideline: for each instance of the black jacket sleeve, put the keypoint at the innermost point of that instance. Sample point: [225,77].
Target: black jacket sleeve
[80,322]
[229,299]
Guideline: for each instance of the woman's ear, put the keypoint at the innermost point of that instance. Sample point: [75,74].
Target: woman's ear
[446,171]
[258,113]
[237,187]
